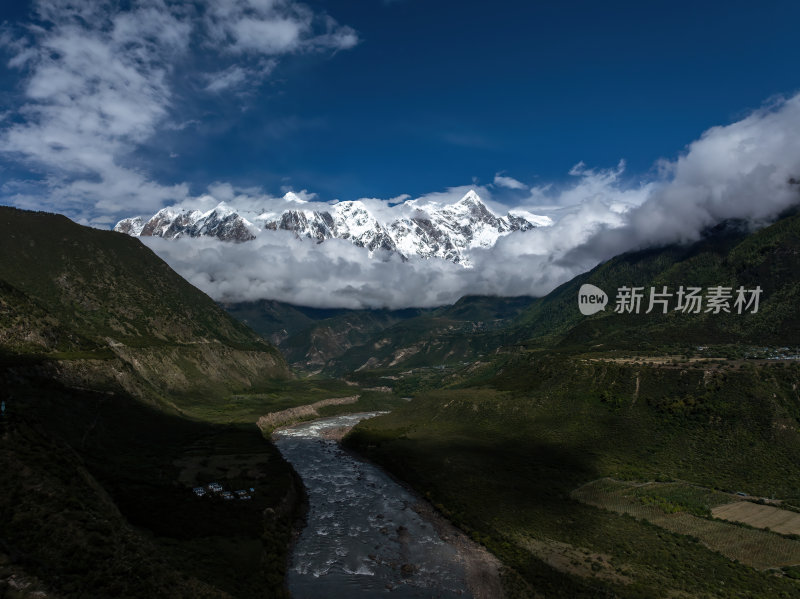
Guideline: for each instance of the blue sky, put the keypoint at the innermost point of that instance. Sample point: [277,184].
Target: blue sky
[440,92]
[402,97]
[630,124]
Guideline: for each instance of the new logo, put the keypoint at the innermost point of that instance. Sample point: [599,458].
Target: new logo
[591,299]
[688,300]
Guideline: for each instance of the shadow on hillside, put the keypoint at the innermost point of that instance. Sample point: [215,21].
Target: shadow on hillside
[70,452]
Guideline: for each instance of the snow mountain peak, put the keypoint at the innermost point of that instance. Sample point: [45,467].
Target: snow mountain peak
[434,230]
[471,197]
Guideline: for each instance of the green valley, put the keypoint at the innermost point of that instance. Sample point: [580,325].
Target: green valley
[317,299]
[503,446]
[591,454]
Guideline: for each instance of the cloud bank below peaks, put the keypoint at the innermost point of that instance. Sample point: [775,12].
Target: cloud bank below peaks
[745,170]
[99,80]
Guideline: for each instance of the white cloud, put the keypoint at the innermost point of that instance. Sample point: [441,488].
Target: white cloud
[335,273]
[98,83]
[233,76]
[299,197]
[509,182]
[239,78]
[740,171]
[604,186]
[273,27]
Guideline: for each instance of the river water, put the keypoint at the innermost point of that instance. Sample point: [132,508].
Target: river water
[362,537]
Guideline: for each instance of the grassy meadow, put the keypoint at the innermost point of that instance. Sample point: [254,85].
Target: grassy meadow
[503,454]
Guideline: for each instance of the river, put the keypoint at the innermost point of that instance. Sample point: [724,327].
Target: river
[363,537]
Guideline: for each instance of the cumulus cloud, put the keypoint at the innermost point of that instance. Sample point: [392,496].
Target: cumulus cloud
[744,170]
[99,82]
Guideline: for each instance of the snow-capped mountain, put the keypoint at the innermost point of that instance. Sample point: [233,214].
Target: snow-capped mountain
[222,222]
[434,230]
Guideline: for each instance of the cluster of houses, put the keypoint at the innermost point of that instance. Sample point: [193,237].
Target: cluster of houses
[217,490]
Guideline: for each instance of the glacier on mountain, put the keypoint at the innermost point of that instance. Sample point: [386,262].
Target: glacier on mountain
[432,230]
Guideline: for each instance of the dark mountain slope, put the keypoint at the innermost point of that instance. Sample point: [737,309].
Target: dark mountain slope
[274,320]
[71,293]
[310,337]
[339,340]
[474,325]
[102,345]
[330,338]
[728,256]
[97,499]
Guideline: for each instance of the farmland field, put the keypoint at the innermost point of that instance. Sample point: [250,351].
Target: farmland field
[760,516]
[757,548]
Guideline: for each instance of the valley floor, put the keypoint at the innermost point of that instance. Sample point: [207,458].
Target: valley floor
[508,457]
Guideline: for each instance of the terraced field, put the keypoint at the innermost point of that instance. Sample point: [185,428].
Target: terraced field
[760,516]
[655,503]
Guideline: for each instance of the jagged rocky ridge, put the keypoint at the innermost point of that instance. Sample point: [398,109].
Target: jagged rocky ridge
[432,231]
